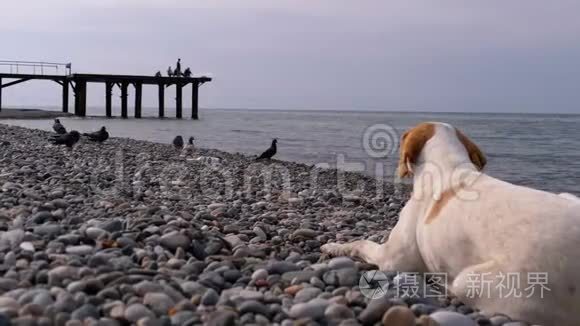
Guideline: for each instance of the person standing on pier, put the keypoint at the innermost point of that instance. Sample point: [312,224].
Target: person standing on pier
[169,71]
[178,68]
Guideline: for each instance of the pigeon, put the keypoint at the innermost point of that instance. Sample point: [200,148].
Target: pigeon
[270,152]
[178,142]
[58,127]
[98,136]
[188,148]
[68,139]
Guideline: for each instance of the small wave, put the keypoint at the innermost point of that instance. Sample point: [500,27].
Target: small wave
[247,131]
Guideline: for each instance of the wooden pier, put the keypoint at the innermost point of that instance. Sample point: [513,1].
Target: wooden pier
[78,84]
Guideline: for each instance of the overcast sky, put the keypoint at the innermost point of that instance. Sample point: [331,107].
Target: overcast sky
[436,55]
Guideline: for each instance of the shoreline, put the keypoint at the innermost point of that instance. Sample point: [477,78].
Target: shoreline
[32,114]
[132,231]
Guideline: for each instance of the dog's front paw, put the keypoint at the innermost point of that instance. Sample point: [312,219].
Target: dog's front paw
[334,249]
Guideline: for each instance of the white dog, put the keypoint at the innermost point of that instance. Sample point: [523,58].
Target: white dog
[473,227]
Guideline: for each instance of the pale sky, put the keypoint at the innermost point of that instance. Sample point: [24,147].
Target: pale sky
[425,55]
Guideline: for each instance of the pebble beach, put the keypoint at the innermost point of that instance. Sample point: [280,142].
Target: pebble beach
[135,232]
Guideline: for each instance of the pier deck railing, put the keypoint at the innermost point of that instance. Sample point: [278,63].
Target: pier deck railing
[35,67]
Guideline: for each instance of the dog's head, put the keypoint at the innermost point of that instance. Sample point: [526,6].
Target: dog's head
[413,141]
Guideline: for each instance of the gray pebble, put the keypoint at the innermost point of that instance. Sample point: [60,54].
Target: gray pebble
[84,312]
[305,233]
[181,317]
[307,294]
[137,311]
[260,274]
[222,318]
[341,262]
[374,311]
[313,309]
[210,297]
[315,281]
[338,311]
[281,267]
[251,295]
[499,320]
[260,233]
[423,309]
[174,240]
[79,250]
[159,302]
[95,233]
[447,318]
[252,306]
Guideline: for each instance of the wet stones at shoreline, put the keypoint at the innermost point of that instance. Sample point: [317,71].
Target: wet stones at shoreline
[130,232]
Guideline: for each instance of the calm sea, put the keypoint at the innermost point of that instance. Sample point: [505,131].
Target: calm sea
[541,151]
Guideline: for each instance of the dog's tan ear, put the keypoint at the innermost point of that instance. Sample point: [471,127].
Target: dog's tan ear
[404,170]
[475,154]
[412,144]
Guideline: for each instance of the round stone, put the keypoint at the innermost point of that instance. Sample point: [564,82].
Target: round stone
[260,274]
[400,316]
[307,294]
[174,240]
[81,250]
[341,262]
[374,311]
[210,297]
[137,311]
[159,302]
[84,312]
[252,306]
[338,311]
[448,318]
[313,309]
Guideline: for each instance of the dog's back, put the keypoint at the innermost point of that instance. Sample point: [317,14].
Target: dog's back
[531,236]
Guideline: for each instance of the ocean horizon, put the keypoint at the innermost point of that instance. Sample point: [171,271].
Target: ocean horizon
[151,111]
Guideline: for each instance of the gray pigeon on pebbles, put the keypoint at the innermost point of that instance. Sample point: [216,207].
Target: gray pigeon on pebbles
[68,139]
[178,142]
[58,127]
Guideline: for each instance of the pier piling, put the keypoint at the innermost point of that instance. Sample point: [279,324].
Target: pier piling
[161,100]
[124,95]
[81,98]
[65,88]
[194,100]
[178,100]
[108,98]
[138,92]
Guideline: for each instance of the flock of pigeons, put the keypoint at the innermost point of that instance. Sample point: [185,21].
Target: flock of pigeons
[69,139]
